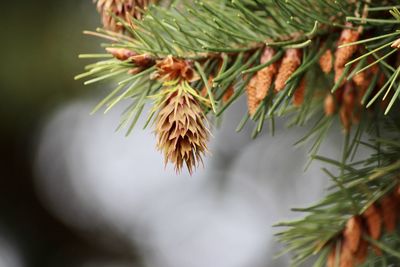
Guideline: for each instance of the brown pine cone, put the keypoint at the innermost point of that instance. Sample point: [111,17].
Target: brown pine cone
[266,75]
[331,257]
[352,233]
[346,257]
[290,62]
[326,61]
[344,54]
[299,93]
[228,94]
[329,105]
[361,255]
[252,101]
[389,212]
[373,219]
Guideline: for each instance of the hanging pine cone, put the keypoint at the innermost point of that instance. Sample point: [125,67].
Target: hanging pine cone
[122,9]
[290,62]
[266,75]
[181,131]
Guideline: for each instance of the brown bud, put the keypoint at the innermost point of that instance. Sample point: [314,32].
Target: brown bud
[389,212]
[325,61]
[299,93]
[120,53]
[142,60]
[329,105]
[290,62]
[352,233]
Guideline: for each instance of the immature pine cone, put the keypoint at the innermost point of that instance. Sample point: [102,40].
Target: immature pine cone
[228,94]
[325,61]
[361,255]
[290,62]
[266,75]
[252,101]
[181,132]
[329,105]
[352,234]
[389,212]
[120,8]
[344,54]
[346,257]
[299,93]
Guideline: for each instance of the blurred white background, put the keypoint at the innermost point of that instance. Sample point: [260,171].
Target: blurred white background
[95,180]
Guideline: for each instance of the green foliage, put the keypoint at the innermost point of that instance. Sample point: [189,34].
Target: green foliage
[224,40]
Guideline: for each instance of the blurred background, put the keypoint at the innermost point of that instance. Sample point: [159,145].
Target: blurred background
[73,192]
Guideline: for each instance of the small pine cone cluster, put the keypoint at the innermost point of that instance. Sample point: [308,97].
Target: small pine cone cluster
[171,69]
[290,62]
[344,54]
[378,216]
[140,62]
[181,131]
[123,9]
[260,84]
